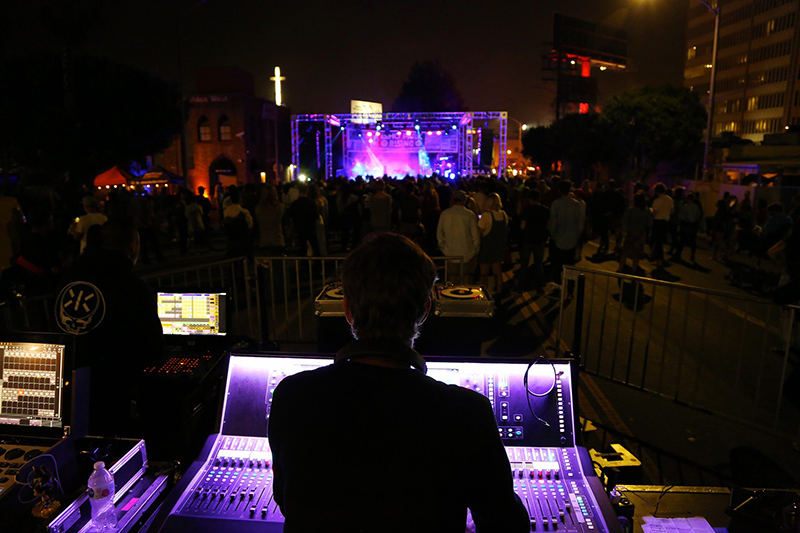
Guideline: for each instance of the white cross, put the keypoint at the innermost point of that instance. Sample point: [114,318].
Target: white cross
[277,78]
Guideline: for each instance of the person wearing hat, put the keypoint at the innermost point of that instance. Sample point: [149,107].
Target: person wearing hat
[92,217]
[458,236]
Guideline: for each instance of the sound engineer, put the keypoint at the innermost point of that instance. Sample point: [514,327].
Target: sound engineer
[114,316]
[370,443]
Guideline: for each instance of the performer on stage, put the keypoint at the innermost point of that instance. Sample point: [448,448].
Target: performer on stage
[370,443]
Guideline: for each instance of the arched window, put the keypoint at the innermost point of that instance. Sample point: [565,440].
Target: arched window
[203,130]
[224,127]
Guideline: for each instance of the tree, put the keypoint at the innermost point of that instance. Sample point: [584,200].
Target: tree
[120,114]
[429,88]
[657,124]
[580,139]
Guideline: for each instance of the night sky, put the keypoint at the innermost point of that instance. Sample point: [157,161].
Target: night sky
[332,52]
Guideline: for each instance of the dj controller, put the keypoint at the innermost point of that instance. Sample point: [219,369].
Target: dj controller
[229,487]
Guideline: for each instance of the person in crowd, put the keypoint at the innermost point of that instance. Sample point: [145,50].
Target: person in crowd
[113,315]
[678,198]
[600,216]
[430,211]
[615,206]
[35,270]
[494,228]
[566,226]
[144,216]
[663,208]
[533,240]
[321,224]
[194,218]
[269,213]
[387,283]
[304,215]
[636,222]
[409,212]
[205,204]
[553,193]
[238,225]
[347,207]
[92,217]
[380,207]
[457,235]
[690,215]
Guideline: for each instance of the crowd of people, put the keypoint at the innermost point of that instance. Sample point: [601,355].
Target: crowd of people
[478,220]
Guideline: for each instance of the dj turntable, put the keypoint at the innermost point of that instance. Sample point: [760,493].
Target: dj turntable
[329,301]
[462,300]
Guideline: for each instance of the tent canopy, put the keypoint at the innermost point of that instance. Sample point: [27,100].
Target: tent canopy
[113,176]
[159,174]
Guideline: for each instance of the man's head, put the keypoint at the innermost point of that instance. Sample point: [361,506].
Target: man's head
[565,186]
[387,283]
[459,198]
[121,236]
[660,189]
[90,204]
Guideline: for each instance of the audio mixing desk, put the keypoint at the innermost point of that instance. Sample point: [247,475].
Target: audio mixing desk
[230,488]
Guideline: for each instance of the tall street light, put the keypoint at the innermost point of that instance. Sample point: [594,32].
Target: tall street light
[522,127]
[179,35]
[711,90]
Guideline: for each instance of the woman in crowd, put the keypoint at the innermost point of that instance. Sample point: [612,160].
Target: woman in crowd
[269,213]
[493,226]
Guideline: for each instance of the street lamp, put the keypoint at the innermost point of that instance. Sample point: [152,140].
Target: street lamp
[522,127]
[711,91]
[179,34]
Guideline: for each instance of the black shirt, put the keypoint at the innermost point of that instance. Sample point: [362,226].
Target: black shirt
[536,218]
[365,448]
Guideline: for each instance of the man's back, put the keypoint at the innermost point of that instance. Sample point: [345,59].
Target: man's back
[457,232]
[388,450]
[566,218]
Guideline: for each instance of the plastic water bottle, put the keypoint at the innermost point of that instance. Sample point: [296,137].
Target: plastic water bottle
[101,496]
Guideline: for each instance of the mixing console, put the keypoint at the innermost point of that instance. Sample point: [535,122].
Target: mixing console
[230,487]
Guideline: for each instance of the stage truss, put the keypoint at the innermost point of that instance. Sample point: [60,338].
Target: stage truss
[465,123]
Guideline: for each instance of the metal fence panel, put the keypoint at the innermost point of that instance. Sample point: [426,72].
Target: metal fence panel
[707,349]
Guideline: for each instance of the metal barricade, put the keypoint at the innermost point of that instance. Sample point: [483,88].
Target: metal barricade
[286,288]
[720,352]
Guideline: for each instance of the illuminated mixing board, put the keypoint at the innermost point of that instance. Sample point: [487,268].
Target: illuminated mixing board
[192,313]
[230,487]
[30,384]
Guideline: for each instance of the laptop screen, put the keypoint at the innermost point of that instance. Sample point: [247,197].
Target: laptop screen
[31,375]
[193,313]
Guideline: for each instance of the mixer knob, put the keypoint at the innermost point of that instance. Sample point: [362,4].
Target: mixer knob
[548,474]
[264,512]
[568,506]
[224,461]
[557,474]
[561,514]
[539,473]
[217,461]
[241,495]
[233,496]
[530,473]
[252,494]
[252,463]
[554,522]
[241,462]
[252,511]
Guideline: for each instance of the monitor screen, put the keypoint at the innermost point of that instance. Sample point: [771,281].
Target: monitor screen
[31,384]
[193,313]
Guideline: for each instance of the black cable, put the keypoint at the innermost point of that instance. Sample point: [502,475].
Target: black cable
[663,493]
[530,393]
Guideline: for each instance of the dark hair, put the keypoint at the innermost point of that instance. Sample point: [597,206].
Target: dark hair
[116,234]
[660,188]
[640,200]
[387,281]
[565,186]
[534,195]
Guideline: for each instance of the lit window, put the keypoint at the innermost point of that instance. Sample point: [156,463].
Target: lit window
[691,53]
[203,130]
[752,103]
[770,25]
[224,128]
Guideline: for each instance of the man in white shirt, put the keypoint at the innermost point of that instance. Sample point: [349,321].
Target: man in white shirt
[663,208]
[458,236]
[92,217]
[566,225]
